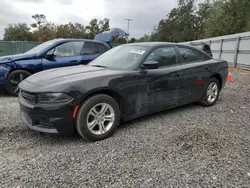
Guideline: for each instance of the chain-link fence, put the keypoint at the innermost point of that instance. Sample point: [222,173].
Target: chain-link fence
[10,48]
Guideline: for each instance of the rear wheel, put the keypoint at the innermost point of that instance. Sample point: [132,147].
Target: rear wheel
[211,93]
[14,79]
[98,117]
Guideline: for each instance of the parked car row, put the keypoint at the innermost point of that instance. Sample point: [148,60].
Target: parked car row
[107,85]
[124,83]
[53,54]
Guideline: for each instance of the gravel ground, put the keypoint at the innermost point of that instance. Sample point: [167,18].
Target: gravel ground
[189,146]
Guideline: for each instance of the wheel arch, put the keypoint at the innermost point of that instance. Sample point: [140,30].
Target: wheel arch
[110,92]
[16,69]
[218,77]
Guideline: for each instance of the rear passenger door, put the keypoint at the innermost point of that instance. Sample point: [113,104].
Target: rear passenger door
[194,73]
[92,50]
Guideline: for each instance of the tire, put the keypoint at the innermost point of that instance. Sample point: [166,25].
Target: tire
[205,98]
[14,78]
[101,129]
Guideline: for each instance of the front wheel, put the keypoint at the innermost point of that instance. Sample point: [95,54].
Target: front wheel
[98,117]
[14,79]
[211,93]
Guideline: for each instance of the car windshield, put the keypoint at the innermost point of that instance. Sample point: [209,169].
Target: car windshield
[120,57]
[40,47]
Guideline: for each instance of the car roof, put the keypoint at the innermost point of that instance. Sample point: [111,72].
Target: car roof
[155,44]
[151,44]
[71,39]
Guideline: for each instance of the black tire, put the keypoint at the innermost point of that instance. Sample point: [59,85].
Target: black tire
[204,100]
[82,115]
[16,76]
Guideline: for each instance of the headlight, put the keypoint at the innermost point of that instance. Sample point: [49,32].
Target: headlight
[53,97]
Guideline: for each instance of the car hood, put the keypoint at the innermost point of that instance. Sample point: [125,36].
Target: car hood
[11,58]
[68,75]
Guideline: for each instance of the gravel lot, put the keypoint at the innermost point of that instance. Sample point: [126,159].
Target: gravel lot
[189,146]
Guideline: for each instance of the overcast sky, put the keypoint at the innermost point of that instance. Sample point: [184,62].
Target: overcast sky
[145,13]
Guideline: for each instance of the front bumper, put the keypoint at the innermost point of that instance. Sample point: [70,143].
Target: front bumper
[48,118]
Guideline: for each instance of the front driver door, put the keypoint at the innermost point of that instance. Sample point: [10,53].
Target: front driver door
[65,54]
[163,86]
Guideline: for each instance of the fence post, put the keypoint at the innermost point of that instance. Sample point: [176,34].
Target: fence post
[220,50]
[236,51]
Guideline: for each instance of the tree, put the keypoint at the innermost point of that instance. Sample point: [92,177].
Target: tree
[96,27]
[228,17]
[132,40]
[17,32]
[103,25]
[40,22]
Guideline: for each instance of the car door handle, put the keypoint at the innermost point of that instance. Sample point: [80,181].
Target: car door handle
[177,75]
[74,61]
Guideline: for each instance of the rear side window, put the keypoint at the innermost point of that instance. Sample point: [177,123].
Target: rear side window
[101,48]
[189,55]
[93,48]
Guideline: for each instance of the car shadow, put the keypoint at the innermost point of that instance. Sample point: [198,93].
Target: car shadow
[56,139]
[157,114]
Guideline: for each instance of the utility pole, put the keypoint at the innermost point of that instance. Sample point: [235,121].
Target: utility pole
[128,19]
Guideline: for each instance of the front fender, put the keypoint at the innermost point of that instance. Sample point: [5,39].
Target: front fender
[3,73]
[31,65]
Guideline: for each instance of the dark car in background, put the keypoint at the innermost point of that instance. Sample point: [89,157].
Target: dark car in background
[202,46]
[53,54]
[126,82]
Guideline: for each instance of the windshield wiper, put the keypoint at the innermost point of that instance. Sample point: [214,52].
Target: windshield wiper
[99,66]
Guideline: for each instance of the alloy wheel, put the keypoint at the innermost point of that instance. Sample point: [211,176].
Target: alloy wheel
[212,92]
[15,80]
[100,118]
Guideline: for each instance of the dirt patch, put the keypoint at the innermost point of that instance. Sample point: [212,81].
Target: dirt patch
[198,140]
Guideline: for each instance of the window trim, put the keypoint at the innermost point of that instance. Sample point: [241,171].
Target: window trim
[182,61]
[157,47]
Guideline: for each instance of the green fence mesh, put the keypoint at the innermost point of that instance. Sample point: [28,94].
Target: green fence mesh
[10,48]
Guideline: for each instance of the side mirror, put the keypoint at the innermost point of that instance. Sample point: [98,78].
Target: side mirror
[50,56]
[150,65]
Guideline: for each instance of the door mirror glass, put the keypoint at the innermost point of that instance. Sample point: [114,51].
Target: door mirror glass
[150,65]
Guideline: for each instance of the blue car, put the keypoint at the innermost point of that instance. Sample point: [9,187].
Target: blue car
[53,54]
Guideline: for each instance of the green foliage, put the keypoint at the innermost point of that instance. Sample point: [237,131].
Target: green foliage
[190,20]
[96,27]
[17,32]
[44,30]
[132,40]
[198,19]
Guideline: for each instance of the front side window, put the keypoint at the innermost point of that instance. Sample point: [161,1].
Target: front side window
[166,56]
[190,55]
[67,49]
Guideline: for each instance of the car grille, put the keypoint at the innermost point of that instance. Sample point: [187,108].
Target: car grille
[29,97]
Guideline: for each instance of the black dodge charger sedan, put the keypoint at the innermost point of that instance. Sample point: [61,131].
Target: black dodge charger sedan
[124,83]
